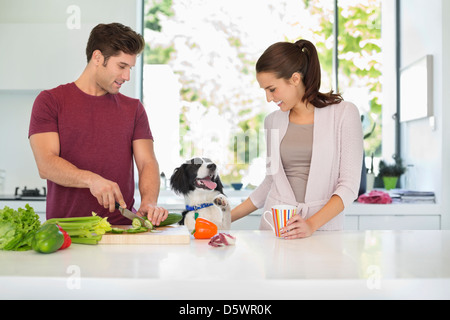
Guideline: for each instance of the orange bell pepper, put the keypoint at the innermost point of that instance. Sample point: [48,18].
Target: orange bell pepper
[204,229]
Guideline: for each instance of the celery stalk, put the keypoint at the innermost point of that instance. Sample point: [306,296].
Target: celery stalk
[79,240]
[84,230]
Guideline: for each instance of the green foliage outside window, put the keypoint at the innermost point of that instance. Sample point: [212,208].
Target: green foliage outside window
[359,65]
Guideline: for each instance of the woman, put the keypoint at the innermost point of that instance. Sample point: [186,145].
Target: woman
[314,144]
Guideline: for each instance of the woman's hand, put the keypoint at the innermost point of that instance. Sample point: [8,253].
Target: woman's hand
[297,228]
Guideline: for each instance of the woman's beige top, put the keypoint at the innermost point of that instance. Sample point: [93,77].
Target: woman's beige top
[296,153]
[335,163]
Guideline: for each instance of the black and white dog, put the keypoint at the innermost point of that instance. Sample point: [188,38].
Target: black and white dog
[198,181]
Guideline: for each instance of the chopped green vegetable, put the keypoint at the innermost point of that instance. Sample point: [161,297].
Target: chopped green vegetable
[117,230]
[147,223]
[83,230]
[130,230]
[92,240]
[17,228]
[136,223]
[137,230]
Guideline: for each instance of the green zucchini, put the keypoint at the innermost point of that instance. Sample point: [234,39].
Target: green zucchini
[171,219]
[147,223]
[137,230]
[117,230]
[136,223]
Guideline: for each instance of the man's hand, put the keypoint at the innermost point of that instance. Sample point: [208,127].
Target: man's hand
[107,193]
[154,213]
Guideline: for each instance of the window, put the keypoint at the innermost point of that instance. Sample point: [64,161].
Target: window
[200,87]
[360,64]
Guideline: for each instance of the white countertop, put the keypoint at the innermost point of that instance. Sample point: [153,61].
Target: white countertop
[328,265]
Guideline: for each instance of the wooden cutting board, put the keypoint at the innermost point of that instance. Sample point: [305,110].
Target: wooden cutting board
[173,234]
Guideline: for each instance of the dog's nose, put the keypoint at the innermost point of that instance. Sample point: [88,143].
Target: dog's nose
[211,166]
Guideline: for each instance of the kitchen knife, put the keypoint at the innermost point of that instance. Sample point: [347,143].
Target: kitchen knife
[130,215]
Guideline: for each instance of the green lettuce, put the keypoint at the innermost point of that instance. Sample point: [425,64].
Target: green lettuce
[17,228]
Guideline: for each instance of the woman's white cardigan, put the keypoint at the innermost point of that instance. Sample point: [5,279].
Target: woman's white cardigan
[336,162]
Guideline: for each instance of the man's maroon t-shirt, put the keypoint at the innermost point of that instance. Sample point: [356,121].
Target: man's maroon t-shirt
[96,134]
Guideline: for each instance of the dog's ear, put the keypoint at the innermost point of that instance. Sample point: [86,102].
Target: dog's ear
[179,181]
[219,186]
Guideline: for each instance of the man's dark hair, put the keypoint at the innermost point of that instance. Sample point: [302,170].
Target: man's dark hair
[112,38]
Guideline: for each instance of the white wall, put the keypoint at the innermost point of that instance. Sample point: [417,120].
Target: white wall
[161,97]
[445,112]
[389,38]
[15,152]
[42,45]
[424,30]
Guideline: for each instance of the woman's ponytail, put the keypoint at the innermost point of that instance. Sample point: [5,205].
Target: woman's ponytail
[311,73]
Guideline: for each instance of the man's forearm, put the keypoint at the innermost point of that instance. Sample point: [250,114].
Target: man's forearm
[149,183]
[64,173]
[52,167]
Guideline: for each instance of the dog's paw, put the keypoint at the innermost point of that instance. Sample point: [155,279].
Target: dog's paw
[221,201]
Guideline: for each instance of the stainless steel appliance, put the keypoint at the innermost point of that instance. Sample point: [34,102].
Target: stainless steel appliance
[30,194]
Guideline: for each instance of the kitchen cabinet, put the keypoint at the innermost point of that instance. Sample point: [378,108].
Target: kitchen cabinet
[405,222]
[250,222]
[397,216]
[40,56]
[351,223]
[46,40]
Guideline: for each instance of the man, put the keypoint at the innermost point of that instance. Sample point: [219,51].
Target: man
[85,134]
